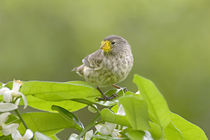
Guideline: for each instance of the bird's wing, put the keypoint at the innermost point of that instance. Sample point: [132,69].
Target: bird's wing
[94,60]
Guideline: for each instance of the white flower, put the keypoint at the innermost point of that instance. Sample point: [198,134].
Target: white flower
[27,136]
[16,86]
[40,136]
[15,91]
[9,129]
[147,136]
[116,133]
[88,136]
[4,117]
[7,96]
[105,129]
[109,128]
[73,137]
[138,92]
[12,128]
[12,95]
[4,107]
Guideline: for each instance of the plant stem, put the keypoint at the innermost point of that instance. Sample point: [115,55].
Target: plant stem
[91,124]
[19,115]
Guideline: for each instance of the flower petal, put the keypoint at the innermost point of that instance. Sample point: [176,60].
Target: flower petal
[6,92]
[7,97]
[5,107]
[28,135]
[147,136]
[89,135]
[16,85]
[116,133]
[138,92]
[105,129]
[16,135]
[111,126]
[24,100]
[73,137]
[9,129]
[98,127]
[40,136]
[4,117]
[17,101]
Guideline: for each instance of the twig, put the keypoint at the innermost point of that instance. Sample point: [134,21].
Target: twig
[19,115]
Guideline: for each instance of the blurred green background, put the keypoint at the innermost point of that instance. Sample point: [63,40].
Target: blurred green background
[44,40]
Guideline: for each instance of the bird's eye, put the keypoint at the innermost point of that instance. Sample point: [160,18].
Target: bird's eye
[113,43]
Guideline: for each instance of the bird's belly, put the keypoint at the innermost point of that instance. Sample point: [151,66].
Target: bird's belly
[100,77]
[110,74]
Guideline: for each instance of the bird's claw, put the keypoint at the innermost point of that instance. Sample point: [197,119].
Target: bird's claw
[124,89]
[106,98]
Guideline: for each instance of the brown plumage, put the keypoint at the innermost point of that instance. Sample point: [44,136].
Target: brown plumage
[108,65]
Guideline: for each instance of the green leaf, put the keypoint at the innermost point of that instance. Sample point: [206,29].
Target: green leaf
[54,137]
[158,108]
[0,85]
[135,135]
[171,132]
[57,91]
[6,137]
[9,84]
[136,112]
[52,134]
[98,137]
[86,102]
[46,122]
[155,130]
[108,116]
[115,108]
[81,83]
[46,105]
[68,115]
[189,131]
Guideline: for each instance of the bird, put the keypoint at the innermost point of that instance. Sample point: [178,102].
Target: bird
[108,65]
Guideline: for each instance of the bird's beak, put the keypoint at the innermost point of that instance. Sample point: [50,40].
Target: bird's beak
[105,45]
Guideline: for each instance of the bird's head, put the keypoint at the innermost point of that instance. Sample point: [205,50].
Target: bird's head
[114,44]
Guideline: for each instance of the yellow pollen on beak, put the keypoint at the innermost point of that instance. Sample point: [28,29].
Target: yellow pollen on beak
[105,45]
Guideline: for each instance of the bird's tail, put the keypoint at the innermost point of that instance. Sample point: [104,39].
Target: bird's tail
[74,69]
[79,70]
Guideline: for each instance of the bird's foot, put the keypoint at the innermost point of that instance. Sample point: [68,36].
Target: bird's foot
[106,98]
[124,89]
